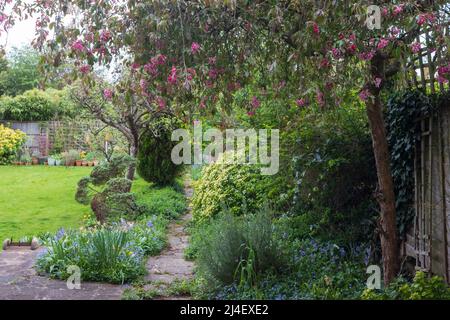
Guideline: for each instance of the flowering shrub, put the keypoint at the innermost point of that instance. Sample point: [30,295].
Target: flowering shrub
[115,254]
[10,142]
[102,255]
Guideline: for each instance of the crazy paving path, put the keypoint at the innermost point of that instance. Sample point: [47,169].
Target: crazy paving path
[19,281]
[170,266]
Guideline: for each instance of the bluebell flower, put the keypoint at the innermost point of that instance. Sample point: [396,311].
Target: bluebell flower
[60,233]
[150,224]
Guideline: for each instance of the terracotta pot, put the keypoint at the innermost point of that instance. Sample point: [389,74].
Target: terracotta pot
[78,163]
[35,161]
[90,163]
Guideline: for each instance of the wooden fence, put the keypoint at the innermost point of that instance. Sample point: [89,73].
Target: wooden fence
[428,240]
[43,137]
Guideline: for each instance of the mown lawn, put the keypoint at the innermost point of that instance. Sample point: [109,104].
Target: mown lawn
[35,199]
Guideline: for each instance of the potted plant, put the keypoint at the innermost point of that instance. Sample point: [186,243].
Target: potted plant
[70,157]
[58,159]
[25,159]
[90,158]
[79,160]
[51,161]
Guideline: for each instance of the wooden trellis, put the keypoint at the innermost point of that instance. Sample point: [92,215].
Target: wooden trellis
[428,240]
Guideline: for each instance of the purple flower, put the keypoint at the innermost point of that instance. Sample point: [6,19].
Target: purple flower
[150,224]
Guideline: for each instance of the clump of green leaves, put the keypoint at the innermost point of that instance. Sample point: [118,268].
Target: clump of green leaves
[403,110]
[423,287]
[235,187]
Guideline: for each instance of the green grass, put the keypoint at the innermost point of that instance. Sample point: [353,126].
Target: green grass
[35,199]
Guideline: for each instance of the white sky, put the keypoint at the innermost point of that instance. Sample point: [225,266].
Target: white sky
[21,34]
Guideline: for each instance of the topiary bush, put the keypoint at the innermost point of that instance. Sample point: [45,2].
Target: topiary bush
[111,195]
[154,163]
[236,187]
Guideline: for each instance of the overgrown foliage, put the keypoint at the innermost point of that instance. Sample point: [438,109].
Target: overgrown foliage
[334,174]
[402,120]
[423,287]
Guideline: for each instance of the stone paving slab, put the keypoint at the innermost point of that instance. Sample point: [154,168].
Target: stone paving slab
[19,281]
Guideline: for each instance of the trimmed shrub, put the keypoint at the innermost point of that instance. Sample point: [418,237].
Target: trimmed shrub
[235,187]
[154,157]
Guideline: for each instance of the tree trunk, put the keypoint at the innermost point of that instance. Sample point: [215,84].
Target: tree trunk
[133,153]
[386,195]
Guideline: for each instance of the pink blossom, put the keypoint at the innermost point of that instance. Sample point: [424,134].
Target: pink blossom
[212,60]
[384,11]
[172,77]
[151,68]
[255,102]
[383,44]
[143,84]
[352,48]
[421,19]
[3,17]
[415,47]
[398,9]
[442,80]
[352,37]
[324,63]
[251,113]
[366,56]
[78,46]
[378,82]
[85,69]
[320,98]
[105,35]
[202,104]
[300,102]
[161,102]
[364,95]
[107,93]
[135,66]
[161,59]
[336,53]
[195,48]
[212,73]
[316,29]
